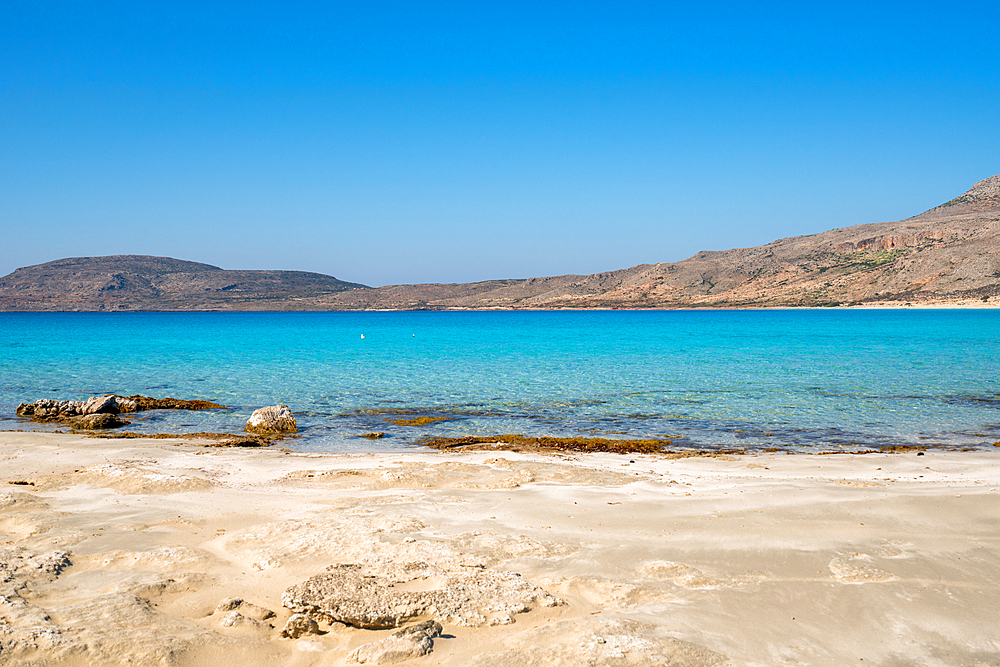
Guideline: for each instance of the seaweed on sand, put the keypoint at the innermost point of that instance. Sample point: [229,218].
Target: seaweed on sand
[216,439]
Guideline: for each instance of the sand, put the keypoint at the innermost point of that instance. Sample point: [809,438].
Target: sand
[131,552]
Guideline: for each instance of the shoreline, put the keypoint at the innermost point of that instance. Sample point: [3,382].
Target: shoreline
[500,443]
[755,559]
[964,304]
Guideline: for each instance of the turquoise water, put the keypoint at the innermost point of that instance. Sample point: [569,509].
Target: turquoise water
[822,379]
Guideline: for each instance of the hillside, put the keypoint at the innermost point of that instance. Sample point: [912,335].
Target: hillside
[948,254]
[140,282]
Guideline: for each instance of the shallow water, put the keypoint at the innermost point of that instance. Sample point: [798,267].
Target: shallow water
[818,379]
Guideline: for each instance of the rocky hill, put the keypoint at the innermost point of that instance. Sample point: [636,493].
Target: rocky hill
[950,254]
[140,282]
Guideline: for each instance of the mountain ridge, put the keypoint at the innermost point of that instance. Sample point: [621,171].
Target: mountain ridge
[948,254]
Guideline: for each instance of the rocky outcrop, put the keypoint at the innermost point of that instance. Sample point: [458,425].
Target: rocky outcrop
[411,642]
[78,413]
[110,404]
[100,420]
[47,409]
[982,197]
[99,412]
[387,595]
[101,405]
[272,419]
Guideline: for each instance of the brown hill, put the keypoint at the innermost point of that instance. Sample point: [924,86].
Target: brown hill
[946,255]
[950,254]
[140,282]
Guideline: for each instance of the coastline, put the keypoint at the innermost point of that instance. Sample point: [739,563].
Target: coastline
[755,559]
[965,304]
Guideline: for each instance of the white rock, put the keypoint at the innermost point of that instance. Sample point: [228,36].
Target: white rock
[100,405]
[272,419]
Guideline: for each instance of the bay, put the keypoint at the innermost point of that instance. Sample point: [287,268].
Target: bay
[813,380]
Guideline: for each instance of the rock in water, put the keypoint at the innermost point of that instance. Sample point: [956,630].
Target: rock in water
[101,405]
[99,420]
[47,409]
[272,419]
[411,642]
[126,404]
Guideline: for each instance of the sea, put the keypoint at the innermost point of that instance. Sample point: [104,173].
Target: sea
[799,380]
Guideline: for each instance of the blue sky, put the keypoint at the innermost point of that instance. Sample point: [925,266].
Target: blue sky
[386,142]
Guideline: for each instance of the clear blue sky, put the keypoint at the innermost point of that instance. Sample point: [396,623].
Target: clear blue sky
[386,142]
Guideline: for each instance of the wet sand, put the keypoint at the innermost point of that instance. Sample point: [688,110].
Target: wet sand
[120,552]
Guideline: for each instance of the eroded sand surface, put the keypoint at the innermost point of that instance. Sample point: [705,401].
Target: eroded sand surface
[156,552]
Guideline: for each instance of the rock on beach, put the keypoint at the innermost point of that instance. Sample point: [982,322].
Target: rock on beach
[411,642]
[272,419]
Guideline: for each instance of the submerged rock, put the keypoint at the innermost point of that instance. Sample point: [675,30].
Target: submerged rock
[411,642]
[272,419]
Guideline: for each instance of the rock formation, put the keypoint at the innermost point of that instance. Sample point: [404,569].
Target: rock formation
[411,642]
[101,404]
[272,419]
[46,409]
[100,412]
[386,595]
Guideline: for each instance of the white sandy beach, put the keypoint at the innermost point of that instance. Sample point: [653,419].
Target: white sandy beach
[120,551]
